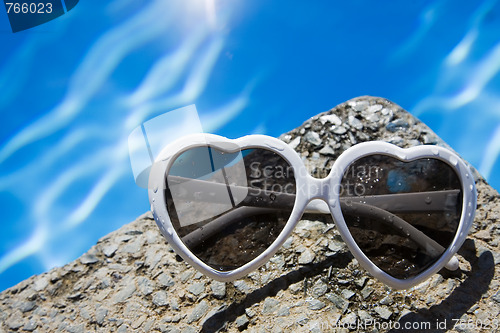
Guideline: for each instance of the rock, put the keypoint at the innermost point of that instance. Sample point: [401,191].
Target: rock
[41,283]
[187,275]
[327,150]
[387,300]
[270,305]
[296,287]
[361,281]
[429,139]
[26,306]
[383,312]
[165,280]
[302,319]
[335,246]
[319,288]
[218,289]
[199,311]
[134,246]
[359,104]
[241,322]
[355,123]
[374,108]
[315,304]
[124,293]
[396,140]
[30,326]
[160,298]
[88,259]
[100,315]
[338,129]
[364,316]
[313,138]
[197,288]
[14,322]
[349,320]
[133,281]
[330,118]
[339,302]
[284,311]
[396,125]
[347,294]
[109,250]
[242,286]
[366,292]
[145,285]
[496,297]
[306,257]
[250,312]
[295,142]
[483,234]
[80,328]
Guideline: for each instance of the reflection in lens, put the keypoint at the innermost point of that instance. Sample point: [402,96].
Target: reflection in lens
[228,207]
[402,215]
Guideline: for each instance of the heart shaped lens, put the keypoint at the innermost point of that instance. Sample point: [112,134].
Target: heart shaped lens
[229,206]
[402,215]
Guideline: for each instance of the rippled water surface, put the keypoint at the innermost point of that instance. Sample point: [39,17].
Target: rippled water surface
[74,88]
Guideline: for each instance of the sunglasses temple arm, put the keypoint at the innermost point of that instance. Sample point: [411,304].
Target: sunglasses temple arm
[430,201]
[428,244]
[255,197]
[218,193]
[209,229]
[260,200]
[432,247]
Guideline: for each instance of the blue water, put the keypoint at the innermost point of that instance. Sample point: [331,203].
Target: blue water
[74,88]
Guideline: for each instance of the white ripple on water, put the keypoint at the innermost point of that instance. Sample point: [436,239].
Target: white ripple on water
[52,157]
[463,48]
[103,57]
[473,79]
[193,87]
[46,201]
[478,78]
[89,203]
[197,79]
[166,72]
[427,19]
[488,68]
[29,247]
[110,161]
[214,119]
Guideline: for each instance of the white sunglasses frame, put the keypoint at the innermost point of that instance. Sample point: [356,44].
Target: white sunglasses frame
[314,189]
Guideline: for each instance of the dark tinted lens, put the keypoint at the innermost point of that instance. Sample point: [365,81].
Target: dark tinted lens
[403,215]
[229,207]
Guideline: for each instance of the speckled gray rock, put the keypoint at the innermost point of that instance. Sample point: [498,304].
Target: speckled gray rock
[218,289]
[131,280]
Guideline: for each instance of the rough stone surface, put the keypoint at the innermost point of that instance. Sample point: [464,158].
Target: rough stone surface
[131,280]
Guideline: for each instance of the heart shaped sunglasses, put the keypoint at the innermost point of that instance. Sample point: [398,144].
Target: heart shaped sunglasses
[226,206]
